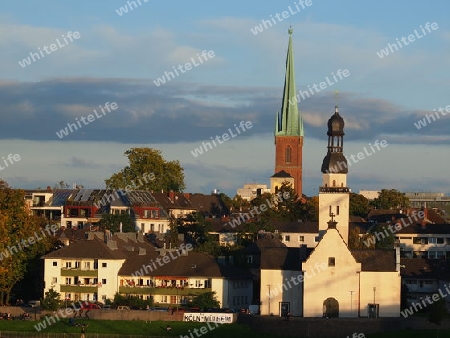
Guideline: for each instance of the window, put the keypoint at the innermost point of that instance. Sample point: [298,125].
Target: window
[287,155]
[163,299]
[301,238]
[440,240]
[334,183]
[173,300]
[104,265]
[330,211]
[316,239]
[55,263]
[68,264]
[152,227]
[432,240]
[154,214]
[54,280]
[103,297]
[331,261]
[68,281]
[337,210]
[287,238]
[77,265]
[104,281]
[67,296]
[249,259]
[87,265]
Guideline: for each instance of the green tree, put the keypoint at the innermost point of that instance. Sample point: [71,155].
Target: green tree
[17,229]
[238,203]
[390,199]
[112,222]
[148,170]
[206,300]
[385,242]
[51,300]
[359,205]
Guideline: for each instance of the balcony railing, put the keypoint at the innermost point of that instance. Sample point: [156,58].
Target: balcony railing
[78,272]
[169,291]
[79,288]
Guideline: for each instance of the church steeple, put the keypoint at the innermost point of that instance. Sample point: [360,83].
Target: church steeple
[289,122]
[288,132]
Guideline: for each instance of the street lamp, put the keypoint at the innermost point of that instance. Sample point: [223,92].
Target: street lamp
[351,302]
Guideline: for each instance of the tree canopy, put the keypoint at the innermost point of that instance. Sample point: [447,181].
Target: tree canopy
[21,239]
[148,170]
[359,205]
[390,199]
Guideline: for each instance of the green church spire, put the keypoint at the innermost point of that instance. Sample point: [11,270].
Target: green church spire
[289,121]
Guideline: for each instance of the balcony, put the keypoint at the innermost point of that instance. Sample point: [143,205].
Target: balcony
[79,288]
[78,272]
[169,291]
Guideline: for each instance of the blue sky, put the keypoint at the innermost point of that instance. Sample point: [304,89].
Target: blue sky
[117,58]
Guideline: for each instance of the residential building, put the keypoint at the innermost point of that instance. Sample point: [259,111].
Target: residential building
[251,190]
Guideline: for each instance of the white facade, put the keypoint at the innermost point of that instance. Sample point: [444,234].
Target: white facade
[334,198]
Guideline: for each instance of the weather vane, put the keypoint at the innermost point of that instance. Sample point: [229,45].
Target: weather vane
[336,96]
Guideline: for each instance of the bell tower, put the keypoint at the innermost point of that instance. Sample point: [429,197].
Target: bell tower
[334,195]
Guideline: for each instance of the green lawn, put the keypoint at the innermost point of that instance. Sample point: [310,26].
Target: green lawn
[412,334]
[157,328]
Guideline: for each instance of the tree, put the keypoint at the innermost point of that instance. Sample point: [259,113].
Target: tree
[148,170]
[359,205]
[206,300]
[390,199]
[112,223]
[238,203]
[51,300]
[18,240]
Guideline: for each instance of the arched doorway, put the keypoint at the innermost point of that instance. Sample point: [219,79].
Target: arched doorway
[331,308]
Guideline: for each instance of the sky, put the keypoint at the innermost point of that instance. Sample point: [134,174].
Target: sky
[69,62]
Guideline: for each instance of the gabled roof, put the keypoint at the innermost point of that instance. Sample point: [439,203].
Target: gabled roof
[424,268]
[297,227]
[282,174]
[210,205]
[280,259]
[179,200]
[375,260]
[194,264]
[93,249]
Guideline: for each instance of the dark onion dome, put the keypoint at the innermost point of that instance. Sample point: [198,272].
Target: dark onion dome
[336,124]
[334,163]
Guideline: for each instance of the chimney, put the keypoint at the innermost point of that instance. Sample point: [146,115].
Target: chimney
[172,196]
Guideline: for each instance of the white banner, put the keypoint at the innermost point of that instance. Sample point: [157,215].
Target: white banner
[202,317]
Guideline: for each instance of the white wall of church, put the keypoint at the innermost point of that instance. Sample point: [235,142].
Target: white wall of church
[284,286]
[335,281]
[387,292]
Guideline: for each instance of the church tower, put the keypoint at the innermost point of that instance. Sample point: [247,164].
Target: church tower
[288,132]
[334,195]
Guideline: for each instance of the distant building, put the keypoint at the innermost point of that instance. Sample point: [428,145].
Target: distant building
[251,190]
[370,194]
